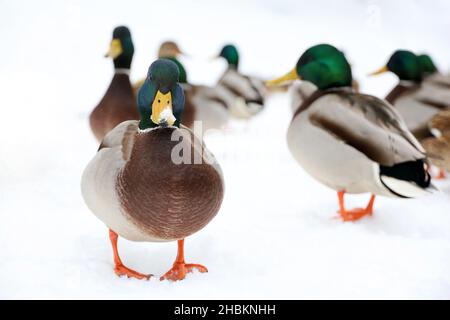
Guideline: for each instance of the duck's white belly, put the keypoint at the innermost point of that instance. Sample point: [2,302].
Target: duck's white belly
[98,186]
[332,162]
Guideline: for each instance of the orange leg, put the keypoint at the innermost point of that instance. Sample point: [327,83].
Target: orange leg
[119,268]
[354,214]
[441,175]
[180,268]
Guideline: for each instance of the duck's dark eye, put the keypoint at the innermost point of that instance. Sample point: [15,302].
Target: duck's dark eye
[168,101]
[159,101]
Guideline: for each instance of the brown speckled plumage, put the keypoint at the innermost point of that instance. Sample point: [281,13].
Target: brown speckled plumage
[117,105]
[441,122]
[438,150]
[166,200]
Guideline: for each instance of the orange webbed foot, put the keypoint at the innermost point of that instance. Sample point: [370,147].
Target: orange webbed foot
[180,269]
[354,214]
[121,270]
[441,175]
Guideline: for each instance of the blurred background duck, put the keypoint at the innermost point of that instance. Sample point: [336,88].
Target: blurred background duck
[244,93]
[438,146]
[431,73]
[119,102]
[352,142]
[136,187]
[415,99]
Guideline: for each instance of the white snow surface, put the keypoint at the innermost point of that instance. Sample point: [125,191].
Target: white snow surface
[276,235]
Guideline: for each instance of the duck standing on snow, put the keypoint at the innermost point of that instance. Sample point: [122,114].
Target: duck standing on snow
[203,103]
[119,103]
[136,187]
[416,100]
[352,142]
[246,94]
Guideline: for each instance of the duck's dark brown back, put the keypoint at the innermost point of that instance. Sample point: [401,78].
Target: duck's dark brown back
[117,105]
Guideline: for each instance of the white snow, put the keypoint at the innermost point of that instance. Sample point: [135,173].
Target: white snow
[276,235]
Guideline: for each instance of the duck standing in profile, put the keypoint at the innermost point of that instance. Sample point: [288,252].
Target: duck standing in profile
[246,94]
[138,187]
[352,142]
[415,97]
[119,102]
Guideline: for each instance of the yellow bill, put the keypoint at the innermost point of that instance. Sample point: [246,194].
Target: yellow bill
[379,71]
[115,49]
[290,76]
[162,109]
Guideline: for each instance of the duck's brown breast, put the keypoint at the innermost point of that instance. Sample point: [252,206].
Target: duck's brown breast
[166,200]
[117,105]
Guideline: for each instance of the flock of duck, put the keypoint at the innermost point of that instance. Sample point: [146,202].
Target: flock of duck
[351,142]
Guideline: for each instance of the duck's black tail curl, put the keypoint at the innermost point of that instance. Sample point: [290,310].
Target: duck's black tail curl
[412,171]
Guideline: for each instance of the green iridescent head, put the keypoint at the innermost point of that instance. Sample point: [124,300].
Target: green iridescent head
[427,64]
[161,98]
[183,75]
[170,50]
[121,49]
[404,64]
[323,65]
[230,53]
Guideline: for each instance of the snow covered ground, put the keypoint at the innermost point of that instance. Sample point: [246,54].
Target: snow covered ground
[275,236]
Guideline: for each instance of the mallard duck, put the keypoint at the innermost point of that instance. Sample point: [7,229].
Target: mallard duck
[352,142]
[147,185]
[416,100]
[207,105]
[246,93]
[119,103]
